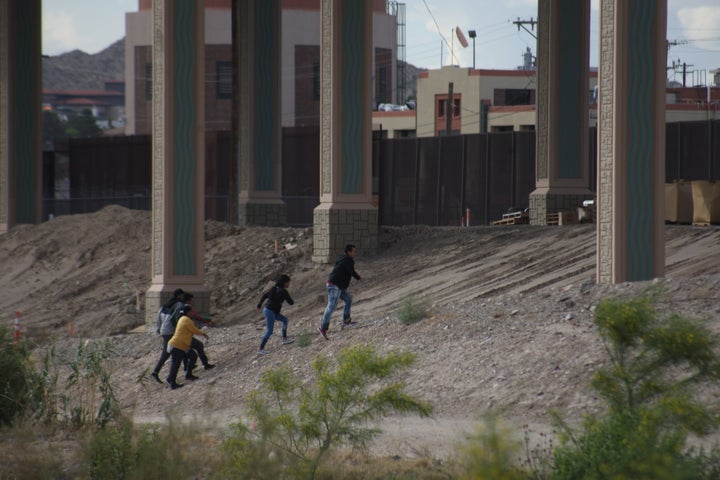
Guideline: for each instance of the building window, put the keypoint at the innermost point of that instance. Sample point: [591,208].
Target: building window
[456,107]
[223,87]
[316,81]
[405,134]
[513,96]
[441,108]
[148,81]
[382,84]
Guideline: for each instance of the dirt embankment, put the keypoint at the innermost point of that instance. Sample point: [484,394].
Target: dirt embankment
[510,331]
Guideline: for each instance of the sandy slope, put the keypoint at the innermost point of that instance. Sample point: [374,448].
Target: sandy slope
[511,327]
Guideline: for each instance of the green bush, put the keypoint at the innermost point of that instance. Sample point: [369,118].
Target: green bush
[127,451]
[89,396]
[17,378]
[412,310]
[491,454]
[27,453]
[291,426]
[302,339]
[650,387]
[108,452]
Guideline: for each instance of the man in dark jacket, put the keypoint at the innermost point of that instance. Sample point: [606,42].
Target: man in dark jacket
[337,285]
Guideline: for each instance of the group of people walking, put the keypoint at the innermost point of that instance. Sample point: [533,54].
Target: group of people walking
[176,320]
[176,325]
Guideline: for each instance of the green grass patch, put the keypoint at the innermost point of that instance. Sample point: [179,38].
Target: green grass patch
[413,310]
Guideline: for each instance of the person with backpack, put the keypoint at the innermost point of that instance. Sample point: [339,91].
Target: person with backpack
[179,347]
[275,298]
[166,322]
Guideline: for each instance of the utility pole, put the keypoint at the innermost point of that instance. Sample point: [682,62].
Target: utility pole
[449,107]
[522,23]
[677,65]
[673,43]
[473,34]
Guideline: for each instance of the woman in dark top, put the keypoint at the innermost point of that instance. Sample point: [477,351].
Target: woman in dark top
[275,298]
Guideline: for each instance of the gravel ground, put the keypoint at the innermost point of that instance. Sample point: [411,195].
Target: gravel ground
[510,328]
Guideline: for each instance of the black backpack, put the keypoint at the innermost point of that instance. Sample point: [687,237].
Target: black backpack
[175,316]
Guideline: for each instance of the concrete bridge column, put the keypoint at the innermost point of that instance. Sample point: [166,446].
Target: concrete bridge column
[631,141]
[20,113]
[562,173]
[178,154]
[259,125]
[345,214]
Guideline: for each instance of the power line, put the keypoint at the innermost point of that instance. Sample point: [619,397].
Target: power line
[437,26]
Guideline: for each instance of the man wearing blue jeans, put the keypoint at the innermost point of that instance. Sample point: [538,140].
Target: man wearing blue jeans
[337,285]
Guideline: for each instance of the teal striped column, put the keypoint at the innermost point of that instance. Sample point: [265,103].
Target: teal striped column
[20,113]
[631,139]
[346,213]
[562,173]
[178,153]
[259,124]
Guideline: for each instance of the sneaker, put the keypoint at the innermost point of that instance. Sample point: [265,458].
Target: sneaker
[323,332]
[348,323]
[262,352]
[209,366]
[174,386]
[156,377]
[190,376]
[288,341]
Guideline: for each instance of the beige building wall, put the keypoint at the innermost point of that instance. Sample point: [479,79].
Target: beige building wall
[506,118]
[138,33]
[690,113]
[516,118]
[474,86]
[300,27]
[394,124]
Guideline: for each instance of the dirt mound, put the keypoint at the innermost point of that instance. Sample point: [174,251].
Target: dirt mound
[510,328]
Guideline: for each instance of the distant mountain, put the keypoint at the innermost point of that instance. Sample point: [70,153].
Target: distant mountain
[78,70]
[411,75]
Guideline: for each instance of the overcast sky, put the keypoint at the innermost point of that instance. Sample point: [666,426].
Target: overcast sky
[92,25]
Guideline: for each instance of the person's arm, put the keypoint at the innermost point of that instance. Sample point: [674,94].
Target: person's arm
[262,299]
[354,274]
[288,298]
[349,266]
[199,318]
[195,330]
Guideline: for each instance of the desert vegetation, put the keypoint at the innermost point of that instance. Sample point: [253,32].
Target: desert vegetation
[659,386]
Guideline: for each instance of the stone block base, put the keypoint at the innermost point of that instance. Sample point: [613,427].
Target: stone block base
[544,203]
[334,226]
[267,214]
[157,295]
